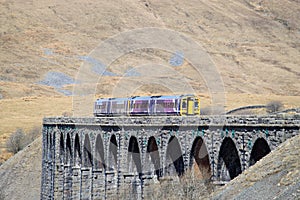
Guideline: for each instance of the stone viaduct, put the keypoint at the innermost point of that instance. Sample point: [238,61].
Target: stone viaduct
[92,158]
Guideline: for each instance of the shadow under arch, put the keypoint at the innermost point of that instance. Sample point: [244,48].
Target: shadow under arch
[228,160]
[113,153]
[50,146]
[99,153]
[69,156]
[152,165]
[174,158]
[134,155]
[199,159]
[77,152]
[61,148]
[259,150]
[87,152]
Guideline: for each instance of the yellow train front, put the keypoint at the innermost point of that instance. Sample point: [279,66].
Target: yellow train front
[190,105]
[148,105]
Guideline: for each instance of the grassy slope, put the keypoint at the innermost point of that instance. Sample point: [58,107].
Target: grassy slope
[254,45]
[28,112]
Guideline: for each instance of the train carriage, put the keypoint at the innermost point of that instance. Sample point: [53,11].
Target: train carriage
[119,106]
[101,107]
[166,105]
[140,106]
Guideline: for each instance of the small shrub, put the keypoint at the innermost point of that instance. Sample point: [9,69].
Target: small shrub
[33,134]
[67,114]
[244,112]
[274,106]
[16,141]
[205,111]
[215,110]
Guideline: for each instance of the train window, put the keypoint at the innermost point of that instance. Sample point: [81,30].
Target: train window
[196,104]
[102,106]
[169,105]
[144,105]
[184,104]
[119,106]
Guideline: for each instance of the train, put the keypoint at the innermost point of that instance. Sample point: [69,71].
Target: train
[177,105]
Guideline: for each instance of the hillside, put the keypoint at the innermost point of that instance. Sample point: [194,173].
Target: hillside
[276,176]
[21,174]
[254,44]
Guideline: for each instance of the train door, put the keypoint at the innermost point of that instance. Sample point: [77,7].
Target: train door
[190,106]
[183,106]
[128,108]
[197,106]
[151,107]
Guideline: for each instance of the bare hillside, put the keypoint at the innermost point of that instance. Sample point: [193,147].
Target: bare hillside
[21,174]
[255,44]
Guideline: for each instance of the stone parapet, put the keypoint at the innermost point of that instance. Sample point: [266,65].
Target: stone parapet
[220,120]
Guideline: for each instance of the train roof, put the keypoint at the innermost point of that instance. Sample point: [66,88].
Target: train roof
[119,99]
[171,96]
[102,99]
[168,97]
[141,98]
[144,97]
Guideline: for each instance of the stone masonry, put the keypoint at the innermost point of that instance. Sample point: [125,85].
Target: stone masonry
[92,158]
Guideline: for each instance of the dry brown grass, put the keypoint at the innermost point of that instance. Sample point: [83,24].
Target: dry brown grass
[27,113]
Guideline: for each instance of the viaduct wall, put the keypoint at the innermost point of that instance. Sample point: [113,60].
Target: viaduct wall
[92,158]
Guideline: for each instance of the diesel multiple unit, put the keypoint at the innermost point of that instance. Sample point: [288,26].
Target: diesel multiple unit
[148,105]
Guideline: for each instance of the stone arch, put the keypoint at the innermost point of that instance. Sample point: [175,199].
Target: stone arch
[259,150]
[174,159]
[113,151]
[87,152]
[69,155]
[77,152]
[152,166]
[199,159]
[99,162]
[61,148]
[229,165]
[134,156]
